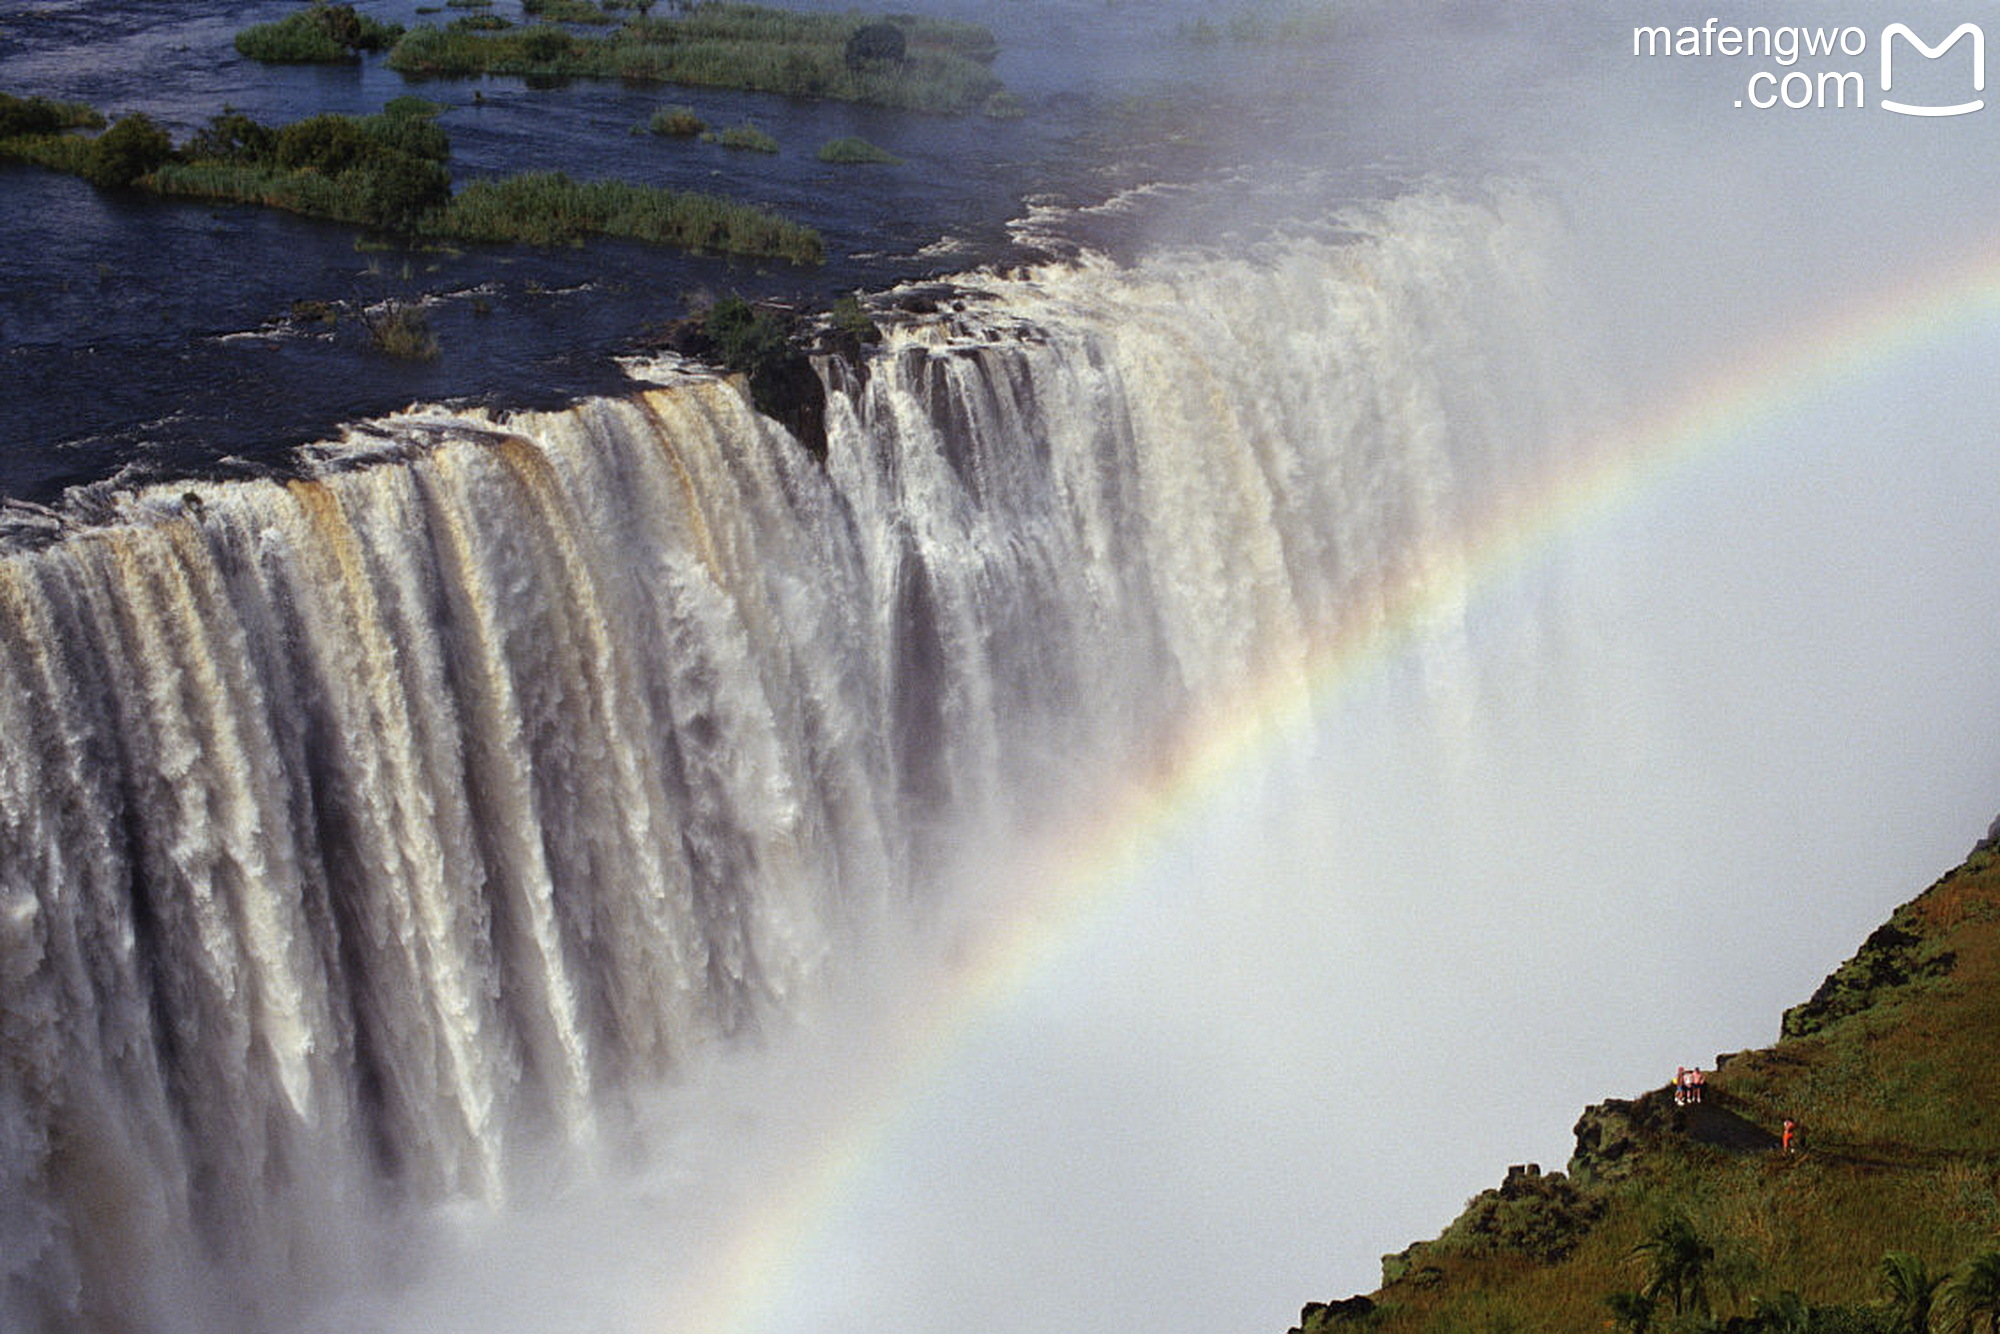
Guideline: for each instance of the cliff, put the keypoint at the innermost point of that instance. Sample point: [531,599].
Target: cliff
[1671,1217]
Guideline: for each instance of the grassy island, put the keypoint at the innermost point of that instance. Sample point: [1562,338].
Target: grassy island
[321,33]
[386,172]
[917,64]
[852,151]
[1878,1214]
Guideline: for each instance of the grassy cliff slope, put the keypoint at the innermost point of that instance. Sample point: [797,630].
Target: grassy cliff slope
[1885,1217]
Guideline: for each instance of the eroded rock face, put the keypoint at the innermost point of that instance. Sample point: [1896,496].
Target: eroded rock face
[1608,1134]
[1891,957]
[1330,1315]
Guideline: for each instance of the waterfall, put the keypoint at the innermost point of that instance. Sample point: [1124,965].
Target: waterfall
[365,832]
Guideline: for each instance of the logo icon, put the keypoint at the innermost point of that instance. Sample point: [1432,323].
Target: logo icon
[1895,30]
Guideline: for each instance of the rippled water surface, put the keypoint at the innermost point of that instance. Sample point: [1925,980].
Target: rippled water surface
[146,338]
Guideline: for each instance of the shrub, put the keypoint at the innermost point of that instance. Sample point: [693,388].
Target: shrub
[545,42]
[852,150]
[849,320]
[40,115]
[401,329]
[230,137]
[416,135]
[319,34]
[133,146]
[679,122]
[876,43]
[327,143]
[397,193]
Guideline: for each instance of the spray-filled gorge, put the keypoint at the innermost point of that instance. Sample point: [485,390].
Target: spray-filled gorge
[367,825]
[1230,741]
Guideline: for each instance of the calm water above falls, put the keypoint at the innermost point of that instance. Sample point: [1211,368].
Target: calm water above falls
[151,339]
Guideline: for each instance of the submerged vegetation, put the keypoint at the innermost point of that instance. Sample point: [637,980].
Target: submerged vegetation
[387,172]
[400,329]
[677,122]
[858,151]
[937,65]
[1883,1217]
[747,138]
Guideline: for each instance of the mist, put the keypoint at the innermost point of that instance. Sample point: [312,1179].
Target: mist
[1553,789]
[1609,815]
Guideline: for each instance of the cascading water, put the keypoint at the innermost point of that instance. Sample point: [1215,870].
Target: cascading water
[368,835]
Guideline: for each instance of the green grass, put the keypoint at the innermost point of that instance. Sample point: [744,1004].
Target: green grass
[739,46]
[565,11]
[1898,1096]
[551,209]
[677,122]
[744,138]
[858,151]
[41,115]
[61,152]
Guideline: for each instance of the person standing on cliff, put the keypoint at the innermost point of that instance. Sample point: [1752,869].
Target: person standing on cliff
[1790,1135]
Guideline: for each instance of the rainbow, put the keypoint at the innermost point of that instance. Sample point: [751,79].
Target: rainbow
[1087,874]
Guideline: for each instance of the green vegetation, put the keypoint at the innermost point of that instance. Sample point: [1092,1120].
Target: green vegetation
[855,151]
[387,172]
[40,115]
[678,122]
[940,65]
[1690,1219]
[850,322]
[133,146]
[565,11]
[320,34]
[549,208]
[748,138]
[400,329]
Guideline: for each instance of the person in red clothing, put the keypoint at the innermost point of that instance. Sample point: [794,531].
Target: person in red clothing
[1791,1134]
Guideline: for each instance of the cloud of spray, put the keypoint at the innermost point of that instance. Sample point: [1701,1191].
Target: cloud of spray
[1607,815]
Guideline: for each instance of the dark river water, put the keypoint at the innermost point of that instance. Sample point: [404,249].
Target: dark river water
[146,339]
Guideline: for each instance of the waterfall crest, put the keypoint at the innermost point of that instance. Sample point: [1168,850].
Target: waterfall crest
[365,831]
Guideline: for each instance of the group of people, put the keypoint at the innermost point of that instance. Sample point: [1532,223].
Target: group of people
[1688,1084]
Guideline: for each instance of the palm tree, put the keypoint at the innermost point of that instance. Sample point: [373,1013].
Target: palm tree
[1969,1301]
[1909,1287]
[1785,1313]
[1680,1261]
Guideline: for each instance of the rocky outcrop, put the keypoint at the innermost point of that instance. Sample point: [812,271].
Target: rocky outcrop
[1332,1315]
[1891,958]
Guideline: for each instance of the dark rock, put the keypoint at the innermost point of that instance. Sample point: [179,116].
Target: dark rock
[1541,1217]
[1890,958]
[1328,1315]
